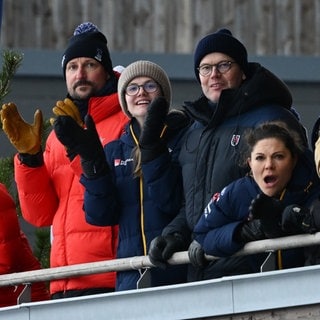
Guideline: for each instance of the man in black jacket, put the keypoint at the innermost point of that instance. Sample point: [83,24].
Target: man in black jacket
[237,95]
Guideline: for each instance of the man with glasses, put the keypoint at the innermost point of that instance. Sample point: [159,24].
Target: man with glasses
[236,95]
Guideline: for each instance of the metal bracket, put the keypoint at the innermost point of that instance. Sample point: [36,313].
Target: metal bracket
[145,279]
[269,264]
[25,295]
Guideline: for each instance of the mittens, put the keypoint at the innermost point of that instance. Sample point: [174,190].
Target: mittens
[297,219]
[249,231]
[150,139]
[84,142]
[163,247]
[196,255]
[269,211]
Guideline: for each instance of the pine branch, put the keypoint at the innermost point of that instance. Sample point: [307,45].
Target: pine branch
[11,62]
[43,246]
[6,174]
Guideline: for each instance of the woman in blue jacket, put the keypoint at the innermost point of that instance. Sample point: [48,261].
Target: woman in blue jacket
[271,202]
[140,189]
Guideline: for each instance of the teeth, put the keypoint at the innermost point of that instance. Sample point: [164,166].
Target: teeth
[142,102]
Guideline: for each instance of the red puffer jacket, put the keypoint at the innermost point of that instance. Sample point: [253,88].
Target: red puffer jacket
[15,253]
[52,195]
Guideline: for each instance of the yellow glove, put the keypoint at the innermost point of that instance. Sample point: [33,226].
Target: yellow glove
[25,137]
[67,108]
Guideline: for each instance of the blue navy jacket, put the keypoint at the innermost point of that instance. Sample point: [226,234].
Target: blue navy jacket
[230,208]
[213,147]
[141,207]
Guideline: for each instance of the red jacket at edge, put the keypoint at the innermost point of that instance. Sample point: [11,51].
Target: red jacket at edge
[52,195]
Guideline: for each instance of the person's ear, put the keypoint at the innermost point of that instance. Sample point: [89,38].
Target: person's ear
[249,162]
[295,160]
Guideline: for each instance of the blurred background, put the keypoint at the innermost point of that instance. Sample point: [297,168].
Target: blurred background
[283,35]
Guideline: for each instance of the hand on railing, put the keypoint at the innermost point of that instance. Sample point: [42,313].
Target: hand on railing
[142,262]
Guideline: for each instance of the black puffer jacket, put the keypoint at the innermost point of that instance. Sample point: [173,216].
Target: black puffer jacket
[210,157]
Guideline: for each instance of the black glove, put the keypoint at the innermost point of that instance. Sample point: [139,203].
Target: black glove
[84,142]
[150,141]
[315,212]
[196,255]
[297,219]
[269,211]
[163,247]
[176,121]
[249,231]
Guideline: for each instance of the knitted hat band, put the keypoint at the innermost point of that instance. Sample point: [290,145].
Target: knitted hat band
[221,41]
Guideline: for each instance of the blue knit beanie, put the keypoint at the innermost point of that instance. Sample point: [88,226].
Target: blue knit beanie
[88,41]
[221,41]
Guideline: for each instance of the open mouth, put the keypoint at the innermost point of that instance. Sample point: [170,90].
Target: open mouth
[270,179]
[216,85]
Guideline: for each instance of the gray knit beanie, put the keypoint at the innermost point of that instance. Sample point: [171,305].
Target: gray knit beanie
[142,68]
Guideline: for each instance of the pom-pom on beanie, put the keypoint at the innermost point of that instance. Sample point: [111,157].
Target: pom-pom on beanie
[87,41]
[142,68]
[221,41]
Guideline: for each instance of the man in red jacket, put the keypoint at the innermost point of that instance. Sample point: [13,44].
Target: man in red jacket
[48,182]
[15,253]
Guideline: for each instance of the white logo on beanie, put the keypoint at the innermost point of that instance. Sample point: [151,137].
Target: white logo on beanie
[99,55]
[63,59]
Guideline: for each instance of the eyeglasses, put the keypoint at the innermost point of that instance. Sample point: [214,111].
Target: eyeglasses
[149,87]
[222,67]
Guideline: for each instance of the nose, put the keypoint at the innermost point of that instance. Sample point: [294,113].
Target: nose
[80,73]
[214,72]
[141,90]
[269,163]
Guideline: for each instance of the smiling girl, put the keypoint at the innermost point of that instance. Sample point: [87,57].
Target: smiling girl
[141,191]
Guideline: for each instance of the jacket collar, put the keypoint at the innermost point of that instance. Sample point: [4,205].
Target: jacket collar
[262,87]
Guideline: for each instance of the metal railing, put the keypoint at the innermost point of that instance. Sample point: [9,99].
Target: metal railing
[143,262]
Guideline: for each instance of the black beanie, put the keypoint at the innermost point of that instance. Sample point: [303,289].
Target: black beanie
[221,41]
[88,41]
